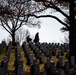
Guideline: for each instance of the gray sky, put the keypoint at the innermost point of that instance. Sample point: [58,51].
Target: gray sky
[49,31]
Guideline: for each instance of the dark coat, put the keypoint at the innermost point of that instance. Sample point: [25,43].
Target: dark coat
[36,38]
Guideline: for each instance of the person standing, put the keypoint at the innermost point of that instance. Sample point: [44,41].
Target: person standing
[28,39]
[36,38]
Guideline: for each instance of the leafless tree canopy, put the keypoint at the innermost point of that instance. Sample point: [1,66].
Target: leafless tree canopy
[16,13]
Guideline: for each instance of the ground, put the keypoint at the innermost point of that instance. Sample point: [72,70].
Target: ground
[26,67]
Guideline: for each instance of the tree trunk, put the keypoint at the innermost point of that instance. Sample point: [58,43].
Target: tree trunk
[13,38]
[72,32]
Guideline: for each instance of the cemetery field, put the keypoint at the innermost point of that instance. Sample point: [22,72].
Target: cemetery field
[36,59]
[26,67]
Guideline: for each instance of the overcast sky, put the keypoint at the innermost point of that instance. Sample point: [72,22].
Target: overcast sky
[49,31]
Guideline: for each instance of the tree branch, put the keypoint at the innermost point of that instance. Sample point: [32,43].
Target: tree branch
[8,26]
[51,17]
[5,27]
[20,24]
[56,8]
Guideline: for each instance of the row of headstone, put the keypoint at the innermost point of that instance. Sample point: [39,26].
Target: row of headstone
[53,49]
[2,45]
[68,64]
[32,54]
[28,54]
[53,46]
[50,67]
[4,63]
[62,69]
[35,70]
[18,61]
[39,54]
[44,48]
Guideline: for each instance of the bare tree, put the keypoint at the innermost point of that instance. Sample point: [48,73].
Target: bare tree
[14,14]
[20,35]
